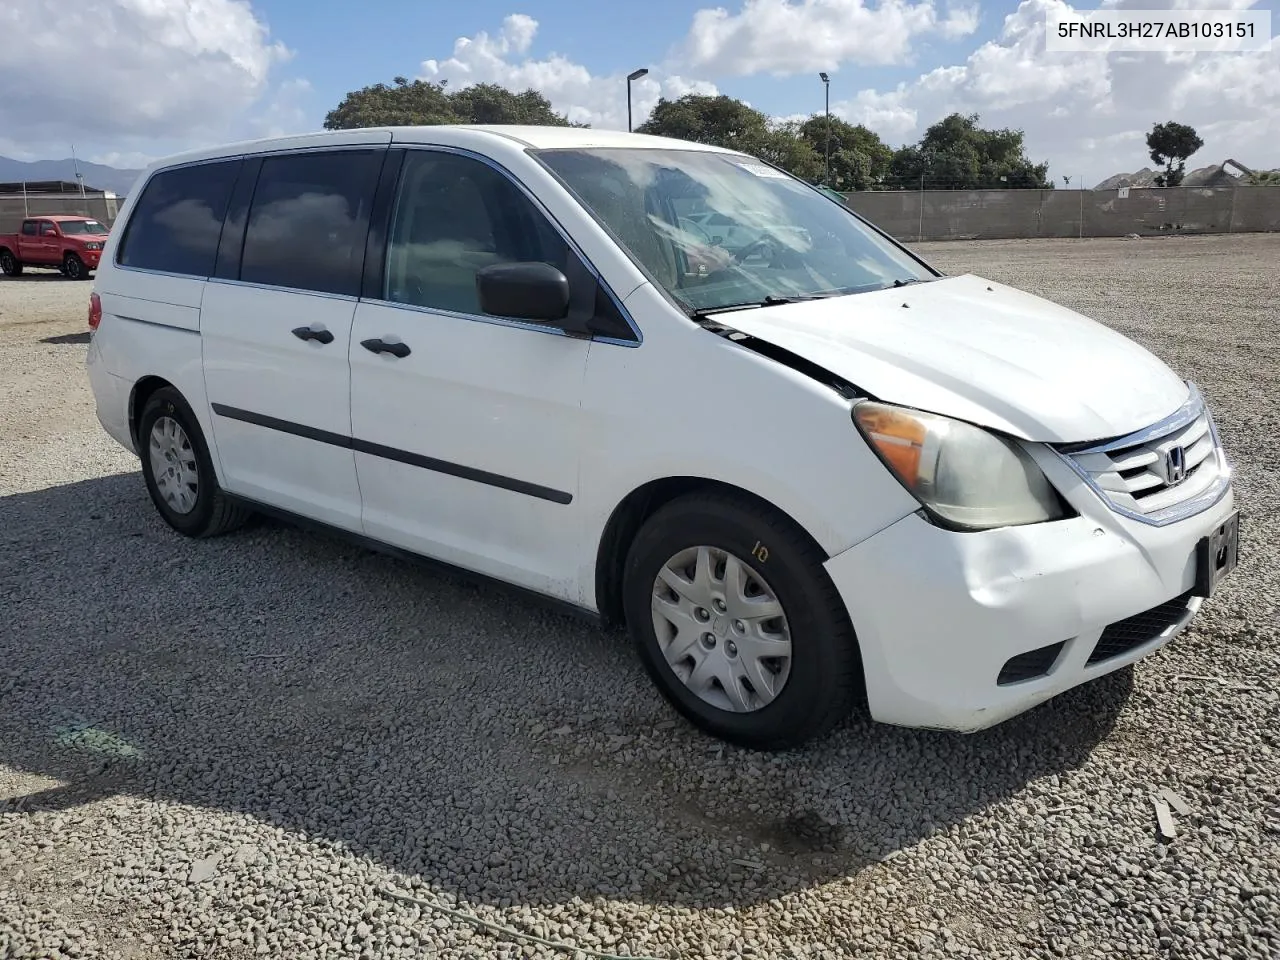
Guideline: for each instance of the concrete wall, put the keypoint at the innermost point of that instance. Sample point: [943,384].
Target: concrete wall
[72,205]
[1017,214]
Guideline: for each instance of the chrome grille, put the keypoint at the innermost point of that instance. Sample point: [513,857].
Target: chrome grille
[1167,472]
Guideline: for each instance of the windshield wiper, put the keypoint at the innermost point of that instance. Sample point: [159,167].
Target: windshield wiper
[770,301]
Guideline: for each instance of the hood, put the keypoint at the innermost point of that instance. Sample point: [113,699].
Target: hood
[979,351]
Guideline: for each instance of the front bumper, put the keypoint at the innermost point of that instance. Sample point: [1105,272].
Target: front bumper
[938,614]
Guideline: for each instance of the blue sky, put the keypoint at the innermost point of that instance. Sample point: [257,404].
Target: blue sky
[168,75]
[396,36]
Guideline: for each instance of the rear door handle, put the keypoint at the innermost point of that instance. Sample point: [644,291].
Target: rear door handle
[310,333]
[380,346]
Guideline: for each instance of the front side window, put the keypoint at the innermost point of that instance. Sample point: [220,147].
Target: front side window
[453,216]
[718,230]
[178,219]
[47,230]
[309,220]
[73,228]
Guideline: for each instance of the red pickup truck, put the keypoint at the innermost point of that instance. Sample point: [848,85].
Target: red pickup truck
[71,244]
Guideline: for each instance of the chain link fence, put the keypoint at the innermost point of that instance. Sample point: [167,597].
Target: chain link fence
[1018,214]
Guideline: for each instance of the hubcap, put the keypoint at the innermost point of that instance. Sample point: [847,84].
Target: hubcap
[173,464]
[721,629]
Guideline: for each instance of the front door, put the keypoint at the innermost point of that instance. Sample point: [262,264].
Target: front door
[275,333]
[48,251]
[466,426]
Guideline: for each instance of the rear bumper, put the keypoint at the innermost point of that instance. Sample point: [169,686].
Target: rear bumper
[939,614]
[111,398]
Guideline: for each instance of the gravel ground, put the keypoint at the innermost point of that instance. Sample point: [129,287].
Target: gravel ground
[233,748]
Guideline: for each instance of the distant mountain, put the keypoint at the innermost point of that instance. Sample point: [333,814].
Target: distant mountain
[1214,175]
[96,175]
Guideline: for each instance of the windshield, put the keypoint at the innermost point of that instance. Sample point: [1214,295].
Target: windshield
[72,227]
[720,230]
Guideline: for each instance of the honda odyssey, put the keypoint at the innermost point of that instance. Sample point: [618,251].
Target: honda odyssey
[672,386]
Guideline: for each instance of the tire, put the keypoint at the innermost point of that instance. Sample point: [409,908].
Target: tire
[821,681]
[9,264]
[208,511]
[74,269]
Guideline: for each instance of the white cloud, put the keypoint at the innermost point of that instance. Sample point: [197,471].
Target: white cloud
[283,110]
[600,100]
[126,160]
[1088,114]
[782,37]
[888,114]
[128,72]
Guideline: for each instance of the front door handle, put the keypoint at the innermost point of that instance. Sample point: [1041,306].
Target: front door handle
[310,333]
[380,346]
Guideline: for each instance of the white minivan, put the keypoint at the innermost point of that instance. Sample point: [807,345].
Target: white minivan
[805,469]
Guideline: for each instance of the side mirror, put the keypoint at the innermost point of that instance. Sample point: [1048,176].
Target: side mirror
[524,291]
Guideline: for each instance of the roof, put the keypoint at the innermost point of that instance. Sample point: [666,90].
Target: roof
[473,135]
[551,138]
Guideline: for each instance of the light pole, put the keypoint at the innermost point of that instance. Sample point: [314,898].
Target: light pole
[633,75]
[826,84]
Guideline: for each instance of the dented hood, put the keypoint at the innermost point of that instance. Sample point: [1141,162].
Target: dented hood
[980,351]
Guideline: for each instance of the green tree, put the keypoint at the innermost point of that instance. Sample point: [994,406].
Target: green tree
[490,103]
[402,104]
[859,158]
[956,153]
[423,103]
[1171,144]
[725,122]
[783,146]
[720,121]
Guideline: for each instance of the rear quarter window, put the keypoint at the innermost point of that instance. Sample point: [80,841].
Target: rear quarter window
[178,220]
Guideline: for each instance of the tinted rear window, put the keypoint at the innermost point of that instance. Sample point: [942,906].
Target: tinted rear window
[309,220]
[176,224]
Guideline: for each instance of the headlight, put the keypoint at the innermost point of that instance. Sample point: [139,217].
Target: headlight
[968,477]
[93,246]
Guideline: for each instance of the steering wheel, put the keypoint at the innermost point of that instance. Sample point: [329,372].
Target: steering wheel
[764,243]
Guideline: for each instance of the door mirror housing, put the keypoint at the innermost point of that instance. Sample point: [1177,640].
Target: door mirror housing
[524,291]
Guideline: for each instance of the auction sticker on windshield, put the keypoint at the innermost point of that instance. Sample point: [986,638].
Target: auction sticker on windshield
[760,170]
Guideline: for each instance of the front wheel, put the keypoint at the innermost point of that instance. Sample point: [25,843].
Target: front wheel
[738,624]
[179,472]
[74,268]
[9,264]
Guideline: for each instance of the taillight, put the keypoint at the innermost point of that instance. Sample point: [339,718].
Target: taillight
[95,311]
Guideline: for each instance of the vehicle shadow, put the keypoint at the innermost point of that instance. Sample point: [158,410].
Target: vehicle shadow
[67,339]
[442,729]
[40,275]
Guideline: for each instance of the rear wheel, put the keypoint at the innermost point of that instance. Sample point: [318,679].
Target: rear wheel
[9,264]
[74,268]
[178,471]
[738,624]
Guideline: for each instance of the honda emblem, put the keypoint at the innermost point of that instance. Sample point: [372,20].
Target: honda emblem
[1175,465]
